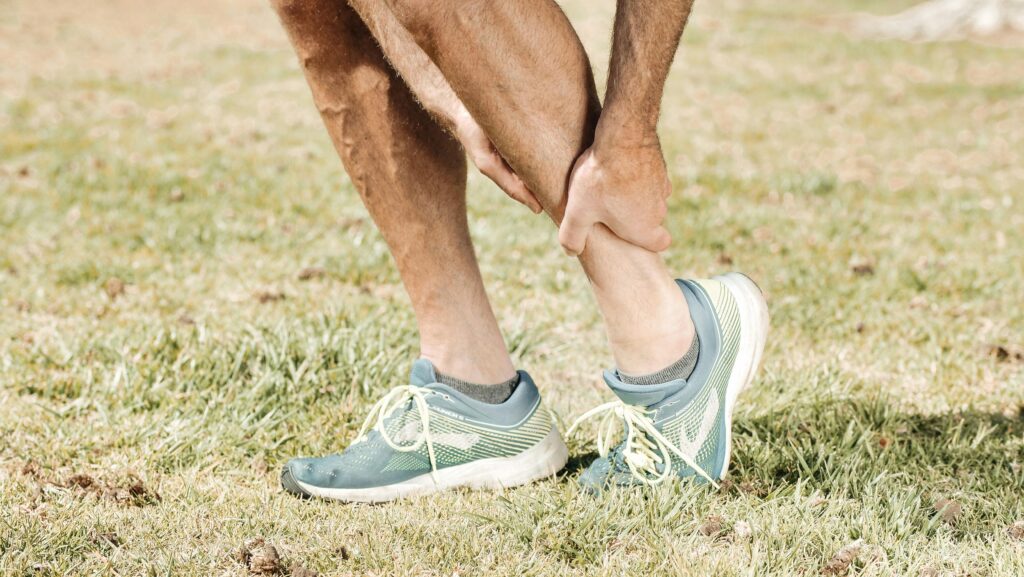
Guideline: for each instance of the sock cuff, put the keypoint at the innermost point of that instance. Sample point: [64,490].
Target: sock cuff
[681,369]
[493,394]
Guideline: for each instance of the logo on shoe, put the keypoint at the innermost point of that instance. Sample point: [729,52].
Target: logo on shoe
[691,445]
[411,433]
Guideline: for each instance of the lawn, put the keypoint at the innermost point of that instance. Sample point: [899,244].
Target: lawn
[191,293]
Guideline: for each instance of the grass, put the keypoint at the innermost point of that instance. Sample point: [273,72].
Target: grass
[165,180]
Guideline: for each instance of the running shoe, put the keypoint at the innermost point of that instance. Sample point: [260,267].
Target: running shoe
[683,428]
[425,437]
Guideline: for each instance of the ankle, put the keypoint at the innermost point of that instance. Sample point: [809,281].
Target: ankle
[653,337]
[652,351]
[470,363]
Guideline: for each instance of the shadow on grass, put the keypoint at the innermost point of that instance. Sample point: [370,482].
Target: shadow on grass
[848,447]
[578,462]
[844,445]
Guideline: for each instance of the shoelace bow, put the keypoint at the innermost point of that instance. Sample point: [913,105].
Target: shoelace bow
[644,447]
[394,399]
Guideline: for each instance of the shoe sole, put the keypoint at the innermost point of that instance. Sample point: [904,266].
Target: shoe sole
[542,460]
[754,323]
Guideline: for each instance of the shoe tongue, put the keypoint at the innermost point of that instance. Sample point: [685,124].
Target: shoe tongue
[641,395]
[423,373]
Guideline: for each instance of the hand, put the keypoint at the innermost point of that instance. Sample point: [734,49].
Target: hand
[623,187]
[485,156]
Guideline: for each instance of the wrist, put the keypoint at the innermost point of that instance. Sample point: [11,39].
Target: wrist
[625,131]
[619,140]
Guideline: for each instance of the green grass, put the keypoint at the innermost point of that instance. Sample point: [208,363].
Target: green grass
[176,149]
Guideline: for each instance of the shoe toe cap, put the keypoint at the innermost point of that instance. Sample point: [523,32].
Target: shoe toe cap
[289,484]
[595,478]
[299,474]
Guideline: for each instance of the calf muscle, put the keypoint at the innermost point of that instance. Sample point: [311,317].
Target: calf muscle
[411,176]
[521,71]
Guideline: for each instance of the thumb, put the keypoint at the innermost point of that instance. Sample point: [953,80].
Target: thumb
[574,230]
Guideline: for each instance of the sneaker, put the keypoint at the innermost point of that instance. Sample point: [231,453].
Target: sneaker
[683,428]
[426,437]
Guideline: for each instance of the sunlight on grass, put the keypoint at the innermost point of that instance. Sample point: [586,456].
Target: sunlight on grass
[191,293]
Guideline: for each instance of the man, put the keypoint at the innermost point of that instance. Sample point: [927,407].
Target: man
[393,81]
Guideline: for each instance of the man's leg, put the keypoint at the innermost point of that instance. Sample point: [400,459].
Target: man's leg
[521,71]
[423,437]
[411,176]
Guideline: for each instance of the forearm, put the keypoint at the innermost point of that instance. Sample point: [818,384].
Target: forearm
[644,43]
[410,61]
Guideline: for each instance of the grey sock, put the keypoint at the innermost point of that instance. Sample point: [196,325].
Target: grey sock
[681,369]
[492,394]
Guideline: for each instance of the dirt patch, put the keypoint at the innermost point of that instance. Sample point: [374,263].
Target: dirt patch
[840,563]
[755,488]
[31,469]
[714,527]
[297,570]
[133,493]
[106,539]
[260,557]
[862,267]
[1005,353]
[114,287]
[312,273]
[948,510]
[269,296]
[129,490]
[1016,531]
[81,481]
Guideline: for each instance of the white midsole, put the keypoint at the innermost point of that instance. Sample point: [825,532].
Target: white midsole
[541,460]
[753,334]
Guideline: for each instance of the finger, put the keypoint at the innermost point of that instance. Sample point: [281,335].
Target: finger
[517,189]
[574,230]
[501,173]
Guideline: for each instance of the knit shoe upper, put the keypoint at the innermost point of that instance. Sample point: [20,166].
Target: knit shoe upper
[681,429]
[423,436]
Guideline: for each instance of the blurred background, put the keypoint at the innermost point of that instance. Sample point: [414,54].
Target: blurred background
[191,290]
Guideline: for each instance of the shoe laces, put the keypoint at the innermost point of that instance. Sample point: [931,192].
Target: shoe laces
[395,399]
[644,447]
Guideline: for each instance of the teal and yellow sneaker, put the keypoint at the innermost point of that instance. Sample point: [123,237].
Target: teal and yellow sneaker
[683,428]
[426,437]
